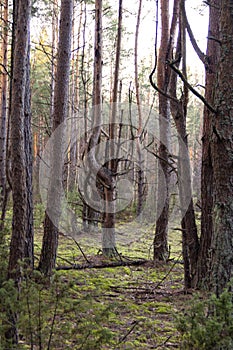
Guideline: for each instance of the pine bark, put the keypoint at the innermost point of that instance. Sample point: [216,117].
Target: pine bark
[108,226]
[61,93]
[3,111]
[28,145]
[140,175]
[103,173]
[96,105]
[18,105]
[190,243]
[212,59]
[222,158]
[161,232]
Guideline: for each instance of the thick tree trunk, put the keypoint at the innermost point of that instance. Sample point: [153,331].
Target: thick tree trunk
[29,246]
[212,54]
[18,105]
[222,158]
[61,92]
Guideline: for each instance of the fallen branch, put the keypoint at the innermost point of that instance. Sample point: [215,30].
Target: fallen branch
[140,291]
[164,343]
[167,274]
[82,252]
[101,266]
[66,260]
[134,324]
[146,290]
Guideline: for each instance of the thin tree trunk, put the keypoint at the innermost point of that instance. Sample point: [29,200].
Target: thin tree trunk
[53,57]
[161,232]
[96,104]
[85,211]
[140,170]
[3,120]
[74,92]
[108,226]
[190,242]
[104,174]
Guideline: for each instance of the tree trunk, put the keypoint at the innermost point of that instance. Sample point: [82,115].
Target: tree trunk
[161,232]
[55,26]
[96,102]
[61,92]
[3,120]
[18,106]
[212,53]
[29,246]
[86,224]
[103,173]
[108,226]
[190,242]
[222,158]
[140,176]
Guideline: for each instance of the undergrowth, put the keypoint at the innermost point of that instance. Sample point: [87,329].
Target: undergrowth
[127,307]
[208,324]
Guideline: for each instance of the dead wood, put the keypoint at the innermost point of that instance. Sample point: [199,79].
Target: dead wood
[102,265]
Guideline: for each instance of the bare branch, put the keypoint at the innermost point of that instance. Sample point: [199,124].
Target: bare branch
[191,88]
[198,51]
[159,90]
[5,69]
[214,39]
[82,252]
[134,324]
[155,87]
[162,159]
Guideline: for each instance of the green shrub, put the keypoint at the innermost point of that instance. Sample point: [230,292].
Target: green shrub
[5,234]
[52,316]
[208,324]
[39,213]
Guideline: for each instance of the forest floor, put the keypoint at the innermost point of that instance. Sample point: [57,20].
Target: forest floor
[124,307]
